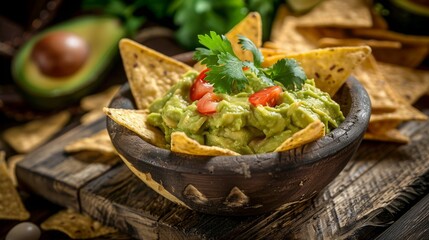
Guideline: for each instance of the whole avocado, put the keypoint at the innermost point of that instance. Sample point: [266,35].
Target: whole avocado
[59,65]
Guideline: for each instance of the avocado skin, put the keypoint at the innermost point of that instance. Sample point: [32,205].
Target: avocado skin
[45,93]
[405,20]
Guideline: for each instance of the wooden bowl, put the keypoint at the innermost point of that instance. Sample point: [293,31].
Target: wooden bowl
[247,184]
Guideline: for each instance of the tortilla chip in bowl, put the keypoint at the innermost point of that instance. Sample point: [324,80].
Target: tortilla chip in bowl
[229,184]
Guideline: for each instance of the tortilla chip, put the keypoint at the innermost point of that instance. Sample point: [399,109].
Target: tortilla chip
[76,225]
[338,13]
[291,39]
[99,142]
[382,126]
[91,116]
[335,42]
[383,34]
[410,83]
[312,132]
[375,84]
[329,67]
[183,144]
[251,27]
[269,52]
[135,120]
[271,45]
[11,206]
[407,56]
[31,135]
[149,72]
[404,112]
[277,24]
[98,100]
[11,165]
[392,135]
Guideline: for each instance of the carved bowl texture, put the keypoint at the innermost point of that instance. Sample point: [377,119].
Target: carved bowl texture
[247,184]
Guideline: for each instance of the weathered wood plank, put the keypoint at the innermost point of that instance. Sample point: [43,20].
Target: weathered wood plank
[414,224]
[56,176]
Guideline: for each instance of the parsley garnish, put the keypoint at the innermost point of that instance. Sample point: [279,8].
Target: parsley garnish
[226,69]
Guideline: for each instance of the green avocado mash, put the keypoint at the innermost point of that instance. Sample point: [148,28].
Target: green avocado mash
[237,124]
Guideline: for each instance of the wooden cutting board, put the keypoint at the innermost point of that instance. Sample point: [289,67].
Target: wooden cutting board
[375,189]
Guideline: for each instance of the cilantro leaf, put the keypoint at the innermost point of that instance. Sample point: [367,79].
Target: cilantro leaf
[216,44]
[246,44]
[227,76]
[288,72]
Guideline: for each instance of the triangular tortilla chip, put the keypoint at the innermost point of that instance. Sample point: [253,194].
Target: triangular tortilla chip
[391,35]
[277,24]
[135,120]
[29,136]
[329,67]
[149,72]
[292,39]
[382,126]
[251,27]
[391,135]
[312,132]
[11,206]
[375,84]
[100,142]
[338,13]
[404,112]
[76,225]
[183,144]
[373,43]
[410,83]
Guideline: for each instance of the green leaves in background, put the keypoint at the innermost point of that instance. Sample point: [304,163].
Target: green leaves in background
[133,13]
[195,17]
[189,17]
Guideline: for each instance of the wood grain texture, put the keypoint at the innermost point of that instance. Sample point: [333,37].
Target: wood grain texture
[414,224]
[53,174]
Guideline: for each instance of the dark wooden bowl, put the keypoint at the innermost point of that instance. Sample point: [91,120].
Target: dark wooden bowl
[247,184]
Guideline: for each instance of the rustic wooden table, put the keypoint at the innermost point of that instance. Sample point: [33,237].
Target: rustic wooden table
[382,193]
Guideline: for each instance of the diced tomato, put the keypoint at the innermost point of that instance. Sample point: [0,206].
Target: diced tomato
[200,87]
[208,103]
[266,97]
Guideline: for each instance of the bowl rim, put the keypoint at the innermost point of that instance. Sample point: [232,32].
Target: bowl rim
[351,129]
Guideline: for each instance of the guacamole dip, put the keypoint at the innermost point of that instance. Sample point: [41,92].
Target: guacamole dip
[238,125]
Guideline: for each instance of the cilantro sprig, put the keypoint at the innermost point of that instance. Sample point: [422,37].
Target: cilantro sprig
[226,69]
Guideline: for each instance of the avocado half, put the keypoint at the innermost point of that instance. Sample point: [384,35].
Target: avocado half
[44,92]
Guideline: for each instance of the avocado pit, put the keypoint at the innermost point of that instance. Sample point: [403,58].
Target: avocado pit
[60,54]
